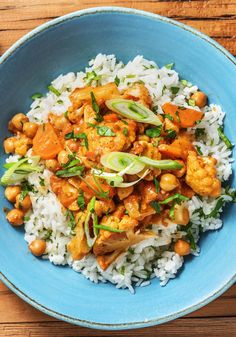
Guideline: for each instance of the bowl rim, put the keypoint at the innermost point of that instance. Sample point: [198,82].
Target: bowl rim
[12,286]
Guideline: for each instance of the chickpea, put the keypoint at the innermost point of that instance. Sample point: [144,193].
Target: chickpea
[18,120]
[9,144]
[37,247]
[200,98]
[24,204]
[15,217]
[60,122]
[168,182]
[51,164]
[181,215]
[30,129]
[69,190]
[11,193]
[72,145]
[63,157]
[22,145]
[182,247]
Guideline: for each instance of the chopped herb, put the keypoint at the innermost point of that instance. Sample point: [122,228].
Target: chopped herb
[213,214]
[154,132]
[168,116]
[174,90]
[124,121]
[122,270]
[177,116]
[169,66]
[172,212]
[108,211]
[184,82]
[54,90]
[36,95]
[130,76]
[198,122]
[105,131]
[177,197]
[225,139]
[25,189]
[199,149]
[181,107]
[71,219]
[71,135]
[156,206]
[60,101]
[126,212]
[157,185]
[117,81]
[171,134]
[96,109]
[70,172]
[48,234]
[163,89]
[109,229]
[191,102]
[66,114]
[91,76]
[41,181]
[81,201]
[190,237]
[199,132]
[26,218]
[125,131]
[131,250]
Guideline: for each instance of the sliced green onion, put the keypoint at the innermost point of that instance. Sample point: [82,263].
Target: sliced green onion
[70,172]
[109,229]
[225,139]
[36,95]
[119,161]
[164,164]
[219,204]
[19,170]
[156,206]
[54,90]
[90,211]
[133,110]
[113,179]
[123,185]
[178,197]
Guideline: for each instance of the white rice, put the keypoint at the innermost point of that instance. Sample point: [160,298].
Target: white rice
[150,258]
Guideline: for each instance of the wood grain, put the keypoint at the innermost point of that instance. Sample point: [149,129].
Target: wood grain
[216,18]
[191,327]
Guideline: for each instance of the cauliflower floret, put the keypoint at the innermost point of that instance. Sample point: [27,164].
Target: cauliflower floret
[78,246]
[104,206]
[108,241]
[138,92]
[201,175]
[120,141]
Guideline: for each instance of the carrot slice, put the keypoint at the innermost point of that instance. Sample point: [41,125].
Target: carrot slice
[46,144]
[111,118]
[94,191]
[184,117]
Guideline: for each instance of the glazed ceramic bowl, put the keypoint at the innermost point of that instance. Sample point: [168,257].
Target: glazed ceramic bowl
[66,44]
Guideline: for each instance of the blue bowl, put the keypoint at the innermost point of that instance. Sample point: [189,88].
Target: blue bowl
[66,44]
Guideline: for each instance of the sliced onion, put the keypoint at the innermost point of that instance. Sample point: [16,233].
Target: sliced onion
[136,181]
[164,164]
[114,179]
[90,211]
[119,161]
[133,110]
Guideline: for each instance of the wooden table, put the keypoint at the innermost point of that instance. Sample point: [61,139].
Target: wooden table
[216,18]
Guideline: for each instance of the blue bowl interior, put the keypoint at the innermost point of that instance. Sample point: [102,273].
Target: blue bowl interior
[67,46]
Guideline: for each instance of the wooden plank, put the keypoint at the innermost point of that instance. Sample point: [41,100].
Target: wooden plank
[36,9]
[13,309]
[191,327]
[18,19]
